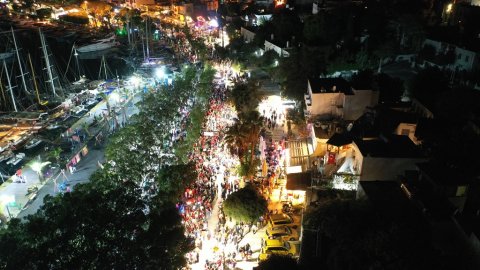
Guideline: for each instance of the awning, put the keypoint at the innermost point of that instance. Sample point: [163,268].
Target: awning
[338,140]
[299,181]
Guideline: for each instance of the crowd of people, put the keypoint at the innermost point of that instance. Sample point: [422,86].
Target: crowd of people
[213,163]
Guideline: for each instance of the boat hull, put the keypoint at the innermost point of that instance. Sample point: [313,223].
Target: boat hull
[97,47]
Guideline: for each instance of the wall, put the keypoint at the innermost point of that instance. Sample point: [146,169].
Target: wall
[464,59]
[324,105]
[355,105]
[410,128]
[280,51]
[247,35]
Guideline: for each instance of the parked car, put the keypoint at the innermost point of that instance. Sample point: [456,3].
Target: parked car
[279,247]
[16,159]
[32,143]
[52,126]
[281,219]
[281,232]
[79,109]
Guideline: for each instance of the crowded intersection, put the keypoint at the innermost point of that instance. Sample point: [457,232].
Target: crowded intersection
[220,242]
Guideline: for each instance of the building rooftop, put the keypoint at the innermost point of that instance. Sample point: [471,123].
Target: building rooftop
[393,146]
[339,139]
[381,120]
[446,175]
[389,199]
[330,85]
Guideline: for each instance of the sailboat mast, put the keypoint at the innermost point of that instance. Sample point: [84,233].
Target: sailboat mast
[19,62]
[47,61]
[146,36]
[105,67]
[34,81]
[10,87]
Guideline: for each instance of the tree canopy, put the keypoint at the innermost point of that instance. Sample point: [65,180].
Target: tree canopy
[101,225]
[245,205]
[360,237]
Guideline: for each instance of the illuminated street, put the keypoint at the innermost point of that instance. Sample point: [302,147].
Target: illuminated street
[233,135]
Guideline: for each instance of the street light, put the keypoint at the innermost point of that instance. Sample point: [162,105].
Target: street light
[37,167]
[449,8]
[6,200]
[160,73]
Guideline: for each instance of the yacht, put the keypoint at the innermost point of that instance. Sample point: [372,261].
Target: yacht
[31,144]
[16,159]
[101,44]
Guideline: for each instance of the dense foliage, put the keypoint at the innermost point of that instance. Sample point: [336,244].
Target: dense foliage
[378,241]
[124,218]
[101,225]
[245,205]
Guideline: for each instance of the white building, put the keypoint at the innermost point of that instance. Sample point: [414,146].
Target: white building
[464,59]
[334,98]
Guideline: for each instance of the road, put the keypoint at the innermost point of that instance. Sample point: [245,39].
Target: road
[14,199]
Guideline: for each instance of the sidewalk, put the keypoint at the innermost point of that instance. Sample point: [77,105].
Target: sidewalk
[14,200]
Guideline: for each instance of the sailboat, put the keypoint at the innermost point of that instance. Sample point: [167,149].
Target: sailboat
[78,72]
[99,45]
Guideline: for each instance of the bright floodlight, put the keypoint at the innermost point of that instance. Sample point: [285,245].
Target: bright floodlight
[135,80]
[160,72]
[213,23]
[114,97]
[37,166]
[6,199]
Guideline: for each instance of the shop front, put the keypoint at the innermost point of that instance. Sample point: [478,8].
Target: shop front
[297,186]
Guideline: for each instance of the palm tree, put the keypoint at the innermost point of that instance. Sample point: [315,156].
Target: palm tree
[85,127]
[245,96]
[251,123]
[235,139]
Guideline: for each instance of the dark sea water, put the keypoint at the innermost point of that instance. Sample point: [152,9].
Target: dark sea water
[61,50]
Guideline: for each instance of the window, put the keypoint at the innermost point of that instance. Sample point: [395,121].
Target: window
[466,58]
[459,57]
[405,132]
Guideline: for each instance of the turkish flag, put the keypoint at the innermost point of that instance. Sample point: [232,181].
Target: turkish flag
[331,157]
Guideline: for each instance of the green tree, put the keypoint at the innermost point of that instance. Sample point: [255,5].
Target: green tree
[55,154]
[173,179]
[391,89]
[245,205]
[245,96]
[380,240]
[428,84]
[291,75]
[286,24]
[235,139]
[100,225]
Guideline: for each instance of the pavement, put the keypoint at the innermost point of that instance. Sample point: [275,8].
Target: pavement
[15,201]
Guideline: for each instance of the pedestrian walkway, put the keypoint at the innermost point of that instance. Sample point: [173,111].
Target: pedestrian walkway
[15,198]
